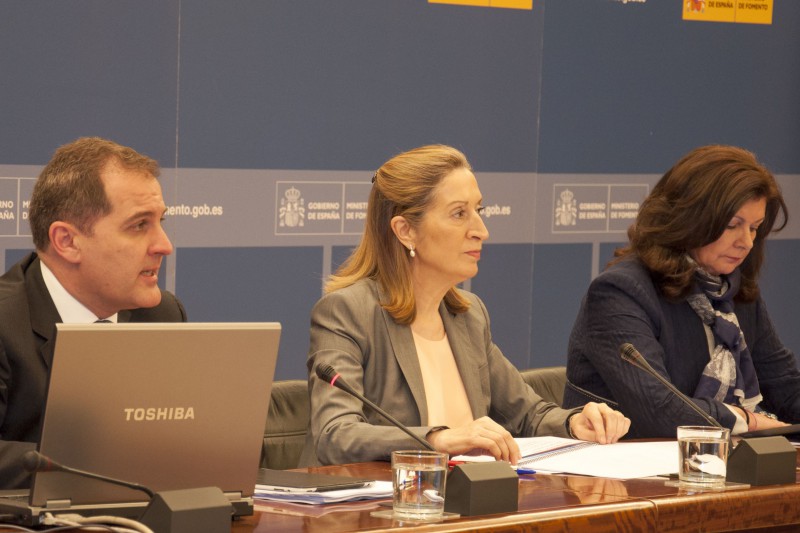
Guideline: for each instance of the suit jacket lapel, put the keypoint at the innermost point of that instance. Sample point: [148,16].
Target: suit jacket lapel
[404,350]
[44,314]
[459,339]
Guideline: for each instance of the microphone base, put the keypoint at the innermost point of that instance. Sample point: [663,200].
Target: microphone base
[475,489]
[201,510]
[763,461]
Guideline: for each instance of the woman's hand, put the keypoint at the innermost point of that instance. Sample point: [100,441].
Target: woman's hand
[483,434]
[759,421]
[756,421]
[598,422]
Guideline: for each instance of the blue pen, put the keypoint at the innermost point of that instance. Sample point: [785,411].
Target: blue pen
[524,471]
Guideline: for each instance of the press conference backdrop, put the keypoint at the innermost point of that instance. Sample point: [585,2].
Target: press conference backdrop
[269,118]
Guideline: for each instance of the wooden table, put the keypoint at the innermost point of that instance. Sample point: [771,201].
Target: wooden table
[556,503]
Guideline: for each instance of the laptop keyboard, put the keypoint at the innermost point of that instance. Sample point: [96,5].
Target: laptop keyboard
[15,495]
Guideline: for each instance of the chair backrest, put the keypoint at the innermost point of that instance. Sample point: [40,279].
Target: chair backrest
[548,382]
[287,424]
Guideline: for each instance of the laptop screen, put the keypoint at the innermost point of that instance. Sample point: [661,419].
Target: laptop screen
[168,406]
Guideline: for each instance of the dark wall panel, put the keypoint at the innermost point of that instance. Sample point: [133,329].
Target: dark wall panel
[254,285]
[606,254]
[561,275]
[504,284]
[339,255]
[14,255]
[781,291]
[630,87]
[323,84]
[574,87]
[73,69]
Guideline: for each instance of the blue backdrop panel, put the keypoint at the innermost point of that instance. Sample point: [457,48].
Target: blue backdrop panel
[504,284]
[630,87]
[606,253]
[561,275]
[780,289]
[13,255]
[345,85]
[276,284]
[339,255]
[596,87]
[71,69]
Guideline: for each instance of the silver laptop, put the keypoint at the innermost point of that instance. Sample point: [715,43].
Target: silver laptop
[168,406]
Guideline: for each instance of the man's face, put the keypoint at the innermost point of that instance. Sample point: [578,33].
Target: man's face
[119,261]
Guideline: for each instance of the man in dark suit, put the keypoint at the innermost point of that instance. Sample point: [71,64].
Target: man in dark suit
[95,215]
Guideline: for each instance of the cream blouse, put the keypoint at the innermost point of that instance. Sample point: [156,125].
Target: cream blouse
[444,390]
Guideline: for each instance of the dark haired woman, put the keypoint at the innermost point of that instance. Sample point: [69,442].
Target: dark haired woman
[685,293]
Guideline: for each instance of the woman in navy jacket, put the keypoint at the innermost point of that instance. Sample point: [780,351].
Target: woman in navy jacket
[685,293]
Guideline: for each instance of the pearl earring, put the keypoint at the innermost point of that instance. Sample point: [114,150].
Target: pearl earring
[411,252]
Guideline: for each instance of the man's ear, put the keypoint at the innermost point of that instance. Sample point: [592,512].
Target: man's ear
[65,240]
[403,231]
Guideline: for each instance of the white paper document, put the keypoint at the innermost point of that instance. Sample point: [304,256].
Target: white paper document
[373,490]
[622,460]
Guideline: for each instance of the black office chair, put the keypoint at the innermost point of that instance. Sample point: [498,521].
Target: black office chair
[548,382]
[287,424]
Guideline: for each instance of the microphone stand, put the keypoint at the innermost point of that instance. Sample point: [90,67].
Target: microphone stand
[327,374]
[198,510]
[755,461]
[631,355]
[472,489]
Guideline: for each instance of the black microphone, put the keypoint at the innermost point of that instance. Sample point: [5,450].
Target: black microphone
[327,374]
[34,461]
[464,481]
[631,355]
[171,511]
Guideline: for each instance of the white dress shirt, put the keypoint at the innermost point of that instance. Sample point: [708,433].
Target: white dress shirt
[70,309]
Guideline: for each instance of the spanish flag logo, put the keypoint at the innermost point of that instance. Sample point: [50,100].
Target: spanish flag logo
[737,11]
[508,4]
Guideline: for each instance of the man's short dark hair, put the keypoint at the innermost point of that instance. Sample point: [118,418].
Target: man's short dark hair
[70,189]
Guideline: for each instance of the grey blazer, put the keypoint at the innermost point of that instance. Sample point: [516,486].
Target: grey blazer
[377,357]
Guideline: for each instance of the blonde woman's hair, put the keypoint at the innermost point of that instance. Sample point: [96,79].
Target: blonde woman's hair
[404,186]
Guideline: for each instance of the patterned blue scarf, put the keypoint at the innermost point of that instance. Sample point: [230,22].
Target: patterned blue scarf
[729,376]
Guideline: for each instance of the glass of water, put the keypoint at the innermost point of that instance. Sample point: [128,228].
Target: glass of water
[418,478]
[703,453]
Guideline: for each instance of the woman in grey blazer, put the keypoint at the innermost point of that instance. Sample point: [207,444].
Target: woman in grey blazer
[394,325]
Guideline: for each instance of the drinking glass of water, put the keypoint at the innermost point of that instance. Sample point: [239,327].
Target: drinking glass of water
[418,478]
[703,452]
